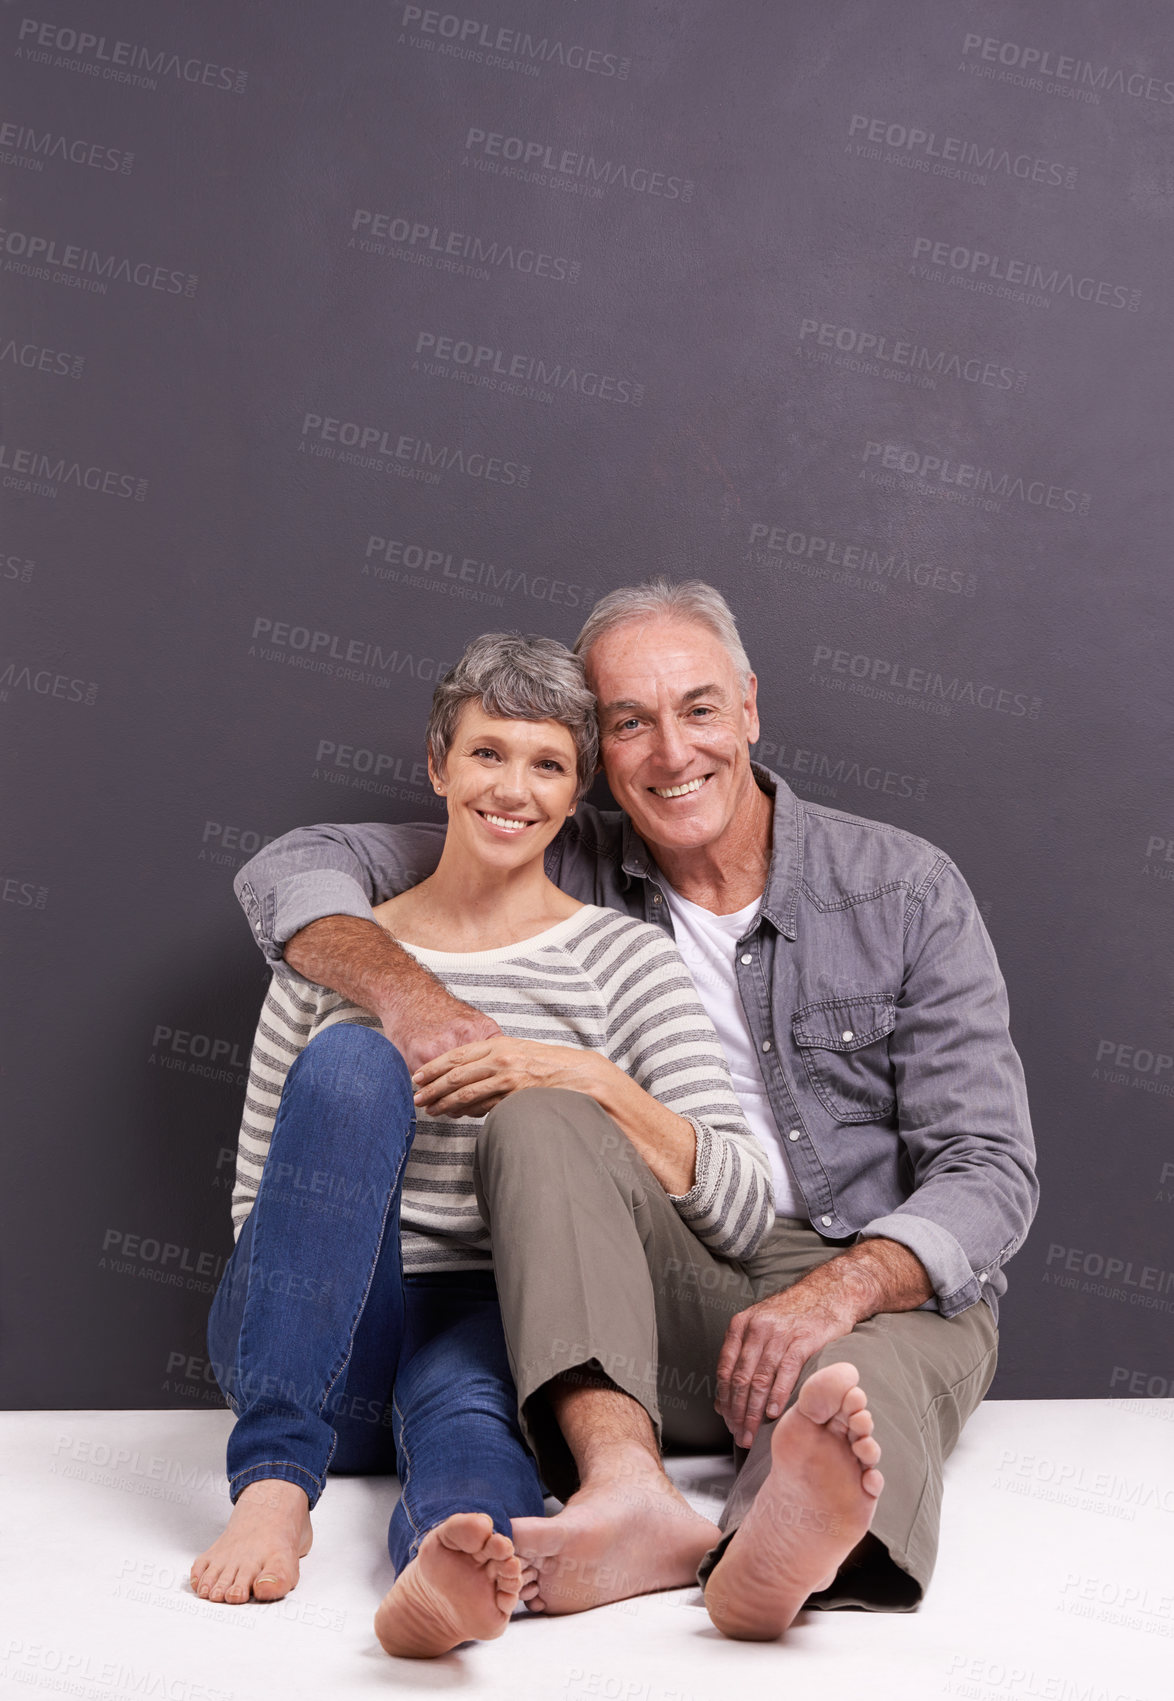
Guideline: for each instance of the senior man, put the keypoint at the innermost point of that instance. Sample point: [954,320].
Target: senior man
[850,978]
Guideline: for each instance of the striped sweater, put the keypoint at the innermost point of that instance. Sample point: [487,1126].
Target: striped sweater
[597,980]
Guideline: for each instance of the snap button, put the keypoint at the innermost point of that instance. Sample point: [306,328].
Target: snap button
[746,957]
[656,897]
[847,1035]
[826,1221]
[794,1134]
[766,1045]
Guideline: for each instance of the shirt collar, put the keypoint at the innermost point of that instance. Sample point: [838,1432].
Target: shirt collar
[781,899]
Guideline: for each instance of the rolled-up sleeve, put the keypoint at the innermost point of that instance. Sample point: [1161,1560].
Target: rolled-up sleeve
[331,870]
[961,1104]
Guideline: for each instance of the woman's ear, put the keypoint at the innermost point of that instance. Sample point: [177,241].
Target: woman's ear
[438,784]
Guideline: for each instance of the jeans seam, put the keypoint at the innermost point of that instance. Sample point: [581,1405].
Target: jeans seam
[354,1323]
[406,1479]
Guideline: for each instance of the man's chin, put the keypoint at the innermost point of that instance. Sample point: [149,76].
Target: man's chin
[678,829]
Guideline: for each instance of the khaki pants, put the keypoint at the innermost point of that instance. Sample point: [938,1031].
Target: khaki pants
[595,1268]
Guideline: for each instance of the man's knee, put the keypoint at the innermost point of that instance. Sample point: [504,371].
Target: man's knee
[540,1131]
[353,1064]
[537,1116]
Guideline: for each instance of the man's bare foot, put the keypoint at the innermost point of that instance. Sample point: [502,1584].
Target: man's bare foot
[267,1534]
[624,1533]
[812,1510]
[462,1586]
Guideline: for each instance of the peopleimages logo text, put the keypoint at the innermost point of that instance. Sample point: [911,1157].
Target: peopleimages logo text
[975,264]
[536,159]
[498,368]
[897,677]
[473,37]
[119,61]
[965,476]
[41,473]
[902,352]
[34,147]
[88,268]
[1083,74]
[431,244]
[929,149]
[375,445]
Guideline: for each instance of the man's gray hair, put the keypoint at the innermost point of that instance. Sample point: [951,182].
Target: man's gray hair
[658,599]
[517,678]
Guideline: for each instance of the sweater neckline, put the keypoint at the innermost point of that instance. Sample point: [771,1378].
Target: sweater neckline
[556,935]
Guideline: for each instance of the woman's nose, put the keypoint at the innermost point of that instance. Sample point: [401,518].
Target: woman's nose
[511,782]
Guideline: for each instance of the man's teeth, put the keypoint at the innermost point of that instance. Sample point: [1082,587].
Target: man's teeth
[501,821]
[679,791]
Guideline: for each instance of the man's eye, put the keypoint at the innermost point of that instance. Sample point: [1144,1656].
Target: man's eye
[627,726]
[700,709]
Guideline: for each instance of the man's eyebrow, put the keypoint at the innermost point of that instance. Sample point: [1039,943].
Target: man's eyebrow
[630,705]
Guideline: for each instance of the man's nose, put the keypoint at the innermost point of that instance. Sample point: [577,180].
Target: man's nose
[672,747]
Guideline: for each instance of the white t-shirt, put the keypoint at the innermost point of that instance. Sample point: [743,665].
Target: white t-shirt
[708,944]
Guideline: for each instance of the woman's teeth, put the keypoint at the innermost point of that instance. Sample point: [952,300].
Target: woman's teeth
[500,821]
[679,791]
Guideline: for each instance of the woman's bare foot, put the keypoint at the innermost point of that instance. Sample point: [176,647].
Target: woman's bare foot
[626,1533]
[462,1586]
[812,1510]
[267,1534]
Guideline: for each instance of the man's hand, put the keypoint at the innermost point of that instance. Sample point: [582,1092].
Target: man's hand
[765,1348]
[471,1079]
[429,1022]
[767,1345]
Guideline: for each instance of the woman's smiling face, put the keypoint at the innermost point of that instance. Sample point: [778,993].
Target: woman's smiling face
[509,785]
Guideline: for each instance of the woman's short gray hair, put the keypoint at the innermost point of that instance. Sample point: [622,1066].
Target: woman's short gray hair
[517,678]
[658,599]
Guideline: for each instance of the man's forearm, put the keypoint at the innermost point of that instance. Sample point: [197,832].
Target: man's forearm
[876,1275]
[361,960]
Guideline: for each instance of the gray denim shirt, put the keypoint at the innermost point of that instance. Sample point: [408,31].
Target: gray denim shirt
[872,992]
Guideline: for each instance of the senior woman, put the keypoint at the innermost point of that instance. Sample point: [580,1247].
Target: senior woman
[357,1327]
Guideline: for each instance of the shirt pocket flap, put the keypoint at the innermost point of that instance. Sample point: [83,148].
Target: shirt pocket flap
[845,1024]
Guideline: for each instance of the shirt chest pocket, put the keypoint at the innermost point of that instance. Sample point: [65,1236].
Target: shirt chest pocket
[844,1044]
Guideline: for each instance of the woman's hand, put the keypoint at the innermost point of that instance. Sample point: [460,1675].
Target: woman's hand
[470,1079]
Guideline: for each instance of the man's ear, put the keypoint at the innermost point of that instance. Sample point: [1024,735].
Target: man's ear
[750,706]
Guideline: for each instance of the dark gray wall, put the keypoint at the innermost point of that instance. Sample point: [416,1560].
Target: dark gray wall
[858,309]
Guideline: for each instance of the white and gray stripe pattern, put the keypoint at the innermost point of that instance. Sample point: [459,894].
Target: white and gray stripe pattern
[599,980]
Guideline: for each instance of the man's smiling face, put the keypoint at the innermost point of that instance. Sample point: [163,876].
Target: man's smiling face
[675,724]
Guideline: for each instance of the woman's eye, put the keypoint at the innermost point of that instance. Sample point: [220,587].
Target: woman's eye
[485,751]
[552,767]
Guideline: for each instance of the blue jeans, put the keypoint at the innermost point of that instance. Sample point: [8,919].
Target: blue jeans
[329,1357]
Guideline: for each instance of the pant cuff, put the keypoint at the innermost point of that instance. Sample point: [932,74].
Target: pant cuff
[883,1584]
[278,1469]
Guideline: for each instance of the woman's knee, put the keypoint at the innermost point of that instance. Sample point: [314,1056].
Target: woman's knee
[356,1065]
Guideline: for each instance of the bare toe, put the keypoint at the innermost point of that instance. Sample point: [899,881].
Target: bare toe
[822,1395]
[867,1451]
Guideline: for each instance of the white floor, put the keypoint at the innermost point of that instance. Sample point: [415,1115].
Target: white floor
[1055,1582]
